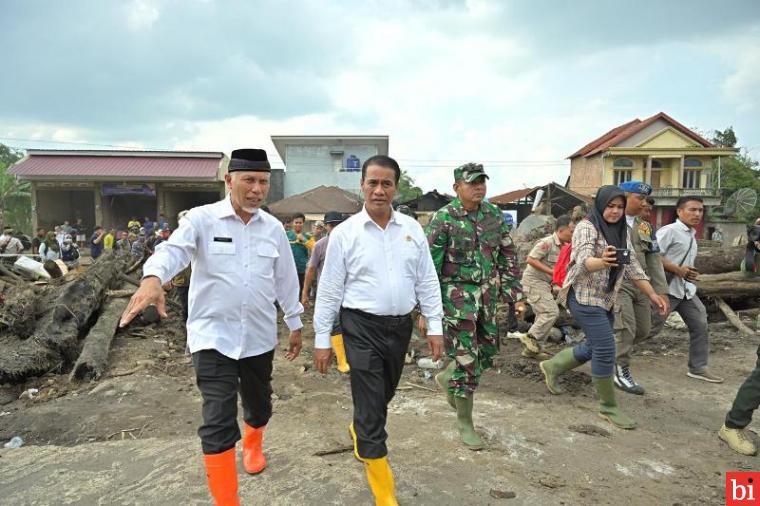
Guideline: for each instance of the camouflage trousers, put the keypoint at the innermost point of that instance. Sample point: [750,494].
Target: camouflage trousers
[472,344]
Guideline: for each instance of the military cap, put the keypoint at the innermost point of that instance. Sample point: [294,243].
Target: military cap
[636,187]
[469,172]
[249,159]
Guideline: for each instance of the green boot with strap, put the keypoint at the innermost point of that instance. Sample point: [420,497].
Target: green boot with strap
[608,407]
[552,368]
[470,438]
[442,380]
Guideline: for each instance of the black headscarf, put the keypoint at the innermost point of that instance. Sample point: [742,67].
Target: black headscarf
[616,234]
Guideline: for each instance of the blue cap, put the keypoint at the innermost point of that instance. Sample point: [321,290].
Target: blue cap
[636,187]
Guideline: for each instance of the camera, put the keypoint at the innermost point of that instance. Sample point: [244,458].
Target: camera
[622,256]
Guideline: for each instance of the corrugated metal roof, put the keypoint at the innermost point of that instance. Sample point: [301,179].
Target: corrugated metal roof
[509,197]
[149,167]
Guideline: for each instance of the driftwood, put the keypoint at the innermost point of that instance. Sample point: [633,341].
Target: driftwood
[719,260]
[169,302]
[733,318]
[93,360]
[120,293]
[54,342]
[728,285]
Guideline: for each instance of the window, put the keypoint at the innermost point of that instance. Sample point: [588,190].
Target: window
[692,162]
[622,162]
[656,164]
[621,176]
[691,178]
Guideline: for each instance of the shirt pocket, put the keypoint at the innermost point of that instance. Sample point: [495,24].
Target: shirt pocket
[266,254]
[461,249]
[222,256]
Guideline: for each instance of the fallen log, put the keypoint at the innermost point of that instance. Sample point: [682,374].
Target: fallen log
[134,282]
[55,340]
[728,285]
[719,260]
[731,316]
[93,360]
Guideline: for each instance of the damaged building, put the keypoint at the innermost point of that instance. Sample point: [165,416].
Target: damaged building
[108,187]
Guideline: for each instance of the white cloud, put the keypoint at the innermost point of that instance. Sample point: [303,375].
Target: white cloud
[141,14]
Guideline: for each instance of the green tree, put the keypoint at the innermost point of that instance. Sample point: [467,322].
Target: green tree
[725,138]
[406,189]
[738,171]
[15,194]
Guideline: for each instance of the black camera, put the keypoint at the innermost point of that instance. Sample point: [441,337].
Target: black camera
[622,256]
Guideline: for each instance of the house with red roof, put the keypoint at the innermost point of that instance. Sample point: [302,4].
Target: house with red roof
[660,151]
[108,187]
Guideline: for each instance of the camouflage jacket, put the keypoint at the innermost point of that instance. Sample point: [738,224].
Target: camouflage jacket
[474,249]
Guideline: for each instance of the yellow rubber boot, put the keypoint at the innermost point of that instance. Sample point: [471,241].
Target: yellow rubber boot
[380,478]
[353,438]
[340,352]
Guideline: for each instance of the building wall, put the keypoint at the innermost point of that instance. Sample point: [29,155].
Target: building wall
[309,166]
[276,185]
[586,174]
[643,135]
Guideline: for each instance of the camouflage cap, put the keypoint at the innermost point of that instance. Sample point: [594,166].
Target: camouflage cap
[469,172]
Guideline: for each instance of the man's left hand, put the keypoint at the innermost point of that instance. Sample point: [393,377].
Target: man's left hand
[520,308]
[294,345]
[436,346]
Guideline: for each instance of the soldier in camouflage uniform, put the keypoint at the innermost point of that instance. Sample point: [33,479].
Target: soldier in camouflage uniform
[475,260]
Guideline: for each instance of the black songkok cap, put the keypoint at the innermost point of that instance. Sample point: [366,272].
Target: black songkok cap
[249,159]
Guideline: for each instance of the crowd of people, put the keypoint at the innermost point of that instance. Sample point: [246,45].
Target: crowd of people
[616,275]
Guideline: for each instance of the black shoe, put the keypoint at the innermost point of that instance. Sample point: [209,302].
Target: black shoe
[625,382]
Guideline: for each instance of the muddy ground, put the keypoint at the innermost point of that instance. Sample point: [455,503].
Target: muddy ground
[130,438]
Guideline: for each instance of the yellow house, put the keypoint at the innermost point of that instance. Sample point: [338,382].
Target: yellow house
[675,160]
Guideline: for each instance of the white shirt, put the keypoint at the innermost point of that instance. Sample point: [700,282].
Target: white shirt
[379,271]
[239,270]
[674,240]
[12,244]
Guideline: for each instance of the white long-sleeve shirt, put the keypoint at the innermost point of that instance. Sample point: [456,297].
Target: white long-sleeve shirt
[239,270]
[384,272]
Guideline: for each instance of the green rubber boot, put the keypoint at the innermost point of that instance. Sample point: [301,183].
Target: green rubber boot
[608,407]
[552,368]
[442,379]
[470,438]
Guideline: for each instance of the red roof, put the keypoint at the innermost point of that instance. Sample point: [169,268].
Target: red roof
[165,166]
[626,130]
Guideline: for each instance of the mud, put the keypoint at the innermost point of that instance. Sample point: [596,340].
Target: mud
[130,438]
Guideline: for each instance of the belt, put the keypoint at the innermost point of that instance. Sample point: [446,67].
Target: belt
[387,319]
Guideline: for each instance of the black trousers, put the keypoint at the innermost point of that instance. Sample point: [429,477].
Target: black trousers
[375,349]
[183,292]
[219,379]
[747,399]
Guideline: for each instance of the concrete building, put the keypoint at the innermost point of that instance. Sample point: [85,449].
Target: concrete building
[314,160]
[659,150]
[108,187]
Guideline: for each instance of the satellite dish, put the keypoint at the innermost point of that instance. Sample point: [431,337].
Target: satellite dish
[741,201]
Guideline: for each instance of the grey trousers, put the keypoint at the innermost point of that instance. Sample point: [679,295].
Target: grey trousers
[694,315]
[633,321]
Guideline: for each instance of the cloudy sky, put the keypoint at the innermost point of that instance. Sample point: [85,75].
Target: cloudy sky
[516,84]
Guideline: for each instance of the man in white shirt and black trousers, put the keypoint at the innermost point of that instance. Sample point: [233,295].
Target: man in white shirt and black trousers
[378,267]
[242,264]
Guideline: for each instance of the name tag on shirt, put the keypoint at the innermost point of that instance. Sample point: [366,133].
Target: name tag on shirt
[222,246]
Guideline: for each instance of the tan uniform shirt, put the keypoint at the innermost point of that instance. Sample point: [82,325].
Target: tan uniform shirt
[547,251]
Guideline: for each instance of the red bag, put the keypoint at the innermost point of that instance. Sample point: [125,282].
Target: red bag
[560,268]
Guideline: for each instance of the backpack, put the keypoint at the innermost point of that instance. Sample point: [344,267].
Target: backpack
[560,268]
